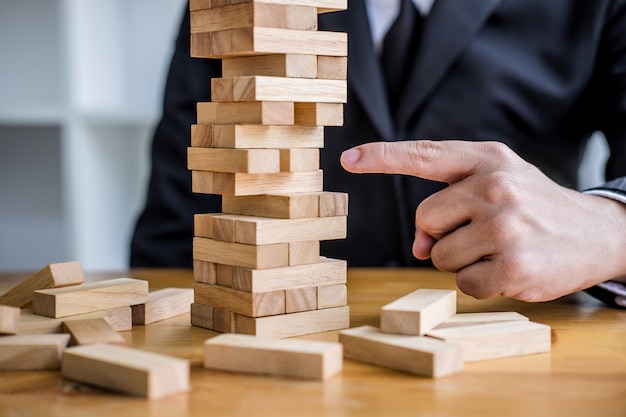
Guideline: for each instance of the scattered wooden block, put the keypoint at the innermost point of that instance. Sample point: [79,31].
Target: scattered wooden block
[260,88]
[291,358]
[163,304]
[262,113]
[87,298]
[266,41]
[253,14]
[322,6]
[332,67]
[413,354]
[241,302]
[30,323]
[304,252]
[418,312]
[51,276]
[300,299]
[259,136]
[283,65]
[329,296]
[127,370]
[33,352]
[205,272]
[497,340]
[234,160]
[318,114]
[295,324]
[247,256]
[472,319]
[325,272]
[299,160]
[91,331]
[202,316]
[253,184]
[9,319]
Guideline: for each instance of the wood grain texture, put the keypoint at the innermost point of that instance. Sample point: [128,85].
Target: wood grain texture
[323,6]
[262,113]
[262,231]
[163,304]
[329,296]
[261,137]
[299,160]
[472,319]
[201,315]
[234,160]
[278,206]
[91,331]
[119,318]
[205,272]
[9,319]
[258,304]
[306,359]
[300,299]
[247,256]
[318,114]
[278,65]
[253,184]
[32,352]
[332,67]
[304,252]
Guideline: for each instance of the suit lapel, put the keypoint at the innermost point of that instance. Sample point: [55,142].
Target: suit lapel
[448,29]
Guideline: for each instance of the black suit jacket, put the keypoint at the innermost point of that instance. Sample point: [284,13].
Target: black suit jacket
[538,75]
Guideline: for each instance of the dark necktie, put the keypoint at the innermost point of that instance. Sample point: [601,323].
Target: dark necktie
[399,48]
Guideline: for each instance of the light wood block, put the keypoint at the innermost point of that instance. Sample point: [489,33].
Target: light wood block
[51,276]
[417,355]
[329,296]
[90,297]
[203,182]
[261,137]
[201,4]
[205,272]
[418,312]
[497,340]
[300,299]
[119,318]
[472,319]
[91,331]
[202,316]
[261,88]
[304,252]
[332,67]
[284,65]
[279,206]
[325,272]
[323,6]
[265,41]
[241,302]
[234,160]
[247,256]
[262,113]
[224,228]
[225,275]
[9,319]
[254,184]
[333,204]
[223,320]
[318,114]
[299,160]
[32,352]
[202,136]
[163,304]
[203,224]
[295,324]
[127,370]
[253,14]
[290,358]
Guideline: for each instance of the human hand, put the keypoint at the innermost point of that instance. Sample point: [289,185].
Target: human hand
[502,225]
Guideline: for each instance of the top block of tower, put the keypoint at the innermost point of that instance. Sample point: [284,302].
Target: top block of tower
[322,6]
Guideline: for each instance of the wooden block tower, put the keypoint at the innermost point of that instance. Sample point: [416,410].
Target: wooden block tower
[257,264]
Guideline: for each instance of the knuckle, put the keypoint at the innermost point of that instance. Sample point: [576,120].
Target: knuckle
[500,188]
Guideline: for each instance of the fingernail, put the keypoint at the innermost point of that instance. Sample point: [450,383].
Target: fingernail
[350,156]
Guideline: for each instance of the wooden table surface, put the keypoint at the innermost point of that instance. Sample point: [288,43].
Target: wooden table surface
[584,375]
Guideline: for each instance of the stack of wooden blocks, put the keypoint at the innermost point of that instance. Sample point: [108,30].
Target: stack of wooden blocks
[257,264]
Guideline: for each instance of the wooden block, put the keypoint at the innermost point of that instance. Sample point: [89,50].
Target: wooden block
[299,160]
[280,65]
[295,324]
[91,331]
[163,304]
[264,230]
[119,318]
[234,160]
[225,275]
[318,114]
[300,299]
[203,182]
[224,228]
[247,256]
[290,358]
[32,352]
[261,88]
[332,67]
[90,297]
[333,204]
[265,41]
[223,320]
[497,340]
[325,272]
[258,304]
[254,184]
[279,206]
[205,272]
[202,136]
[9,319]
[51,276]
[201,4]
[304,252]
[253,14]
[323,6]
[127,370]
[329,296]
[413,354]
[472,319]
[259,136]
[202,316]
[203,224]
[262,113]
[418,312]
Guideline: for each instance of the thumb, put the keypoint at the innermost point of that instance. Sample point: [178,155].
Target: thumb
[444,161]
